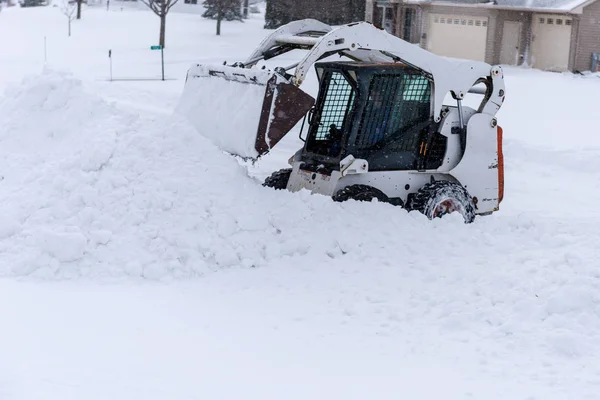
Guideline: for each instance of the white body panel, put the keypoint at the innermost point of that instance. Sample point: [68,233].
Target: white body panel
[453,149]
[551,42]
[312,181]
[396,183]
[458,36]
[478,169]
[392,183]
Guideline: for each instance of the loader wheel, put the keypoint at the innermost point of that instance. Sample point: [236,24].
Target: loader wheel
[278,179]
[360,193]
[439,198]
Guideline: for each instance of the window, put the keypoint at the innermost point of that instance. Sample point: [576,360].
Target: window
[333,109]
[550,21]
[470,22]
[483,23]
[542,20]
[442,20]
[408,23]
[455,22]
[567,22]
[190,1]
[339,98]
[477,23]
[559,21]
[463,21]
[416,88]
[395,104]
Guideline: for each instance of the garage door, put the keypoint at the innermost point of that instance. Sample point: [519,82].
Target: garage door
[457,36]
[551,42]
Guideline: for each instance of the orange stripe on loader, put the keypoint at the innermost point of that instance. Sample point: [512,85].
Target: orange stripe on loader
[500,166]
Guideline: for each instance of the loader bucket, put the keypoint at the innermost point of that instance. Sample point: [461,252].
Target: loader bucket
[244,112]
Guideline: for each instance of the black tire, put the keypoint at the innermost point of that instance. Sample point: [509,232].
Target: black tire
[278,179]
[439,198]
[360,193]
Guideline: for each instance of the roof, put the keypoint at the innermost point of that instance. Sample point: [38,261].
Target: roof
[565,5]
[532,5]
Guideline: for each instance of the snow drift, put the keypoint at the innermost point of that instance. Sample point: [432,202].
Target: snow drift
[90,189]
[93,190]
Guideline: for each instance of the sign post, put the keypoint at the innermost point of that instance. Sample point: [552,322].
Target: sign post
[162,58]
[110,58]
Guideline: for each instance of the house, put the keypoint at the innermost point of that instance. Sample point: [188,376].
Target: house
[554,35]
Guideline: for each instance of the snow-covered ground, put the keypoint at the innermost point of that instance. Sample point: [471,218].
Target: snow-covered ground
[138,262]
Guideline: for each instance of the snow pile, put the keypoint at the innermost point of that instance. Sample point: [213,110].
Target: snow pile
[92,190]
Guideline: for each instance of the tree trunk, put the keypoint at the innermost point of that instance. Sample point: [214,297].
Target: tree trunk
[69,27]
[246,6]
[79,8]
[219,18]
[163,23]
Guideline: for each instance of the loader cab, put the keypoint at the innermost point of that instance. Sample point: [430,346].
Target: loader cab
[378,112]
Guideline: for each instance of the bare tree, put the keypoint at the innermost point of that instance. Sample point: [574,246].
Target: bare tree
[79,8]
[68,8]
[161,8]
[229,10]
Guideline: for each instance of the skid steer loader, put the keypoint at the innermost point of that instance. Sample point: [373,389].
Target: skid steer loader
[378,128]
